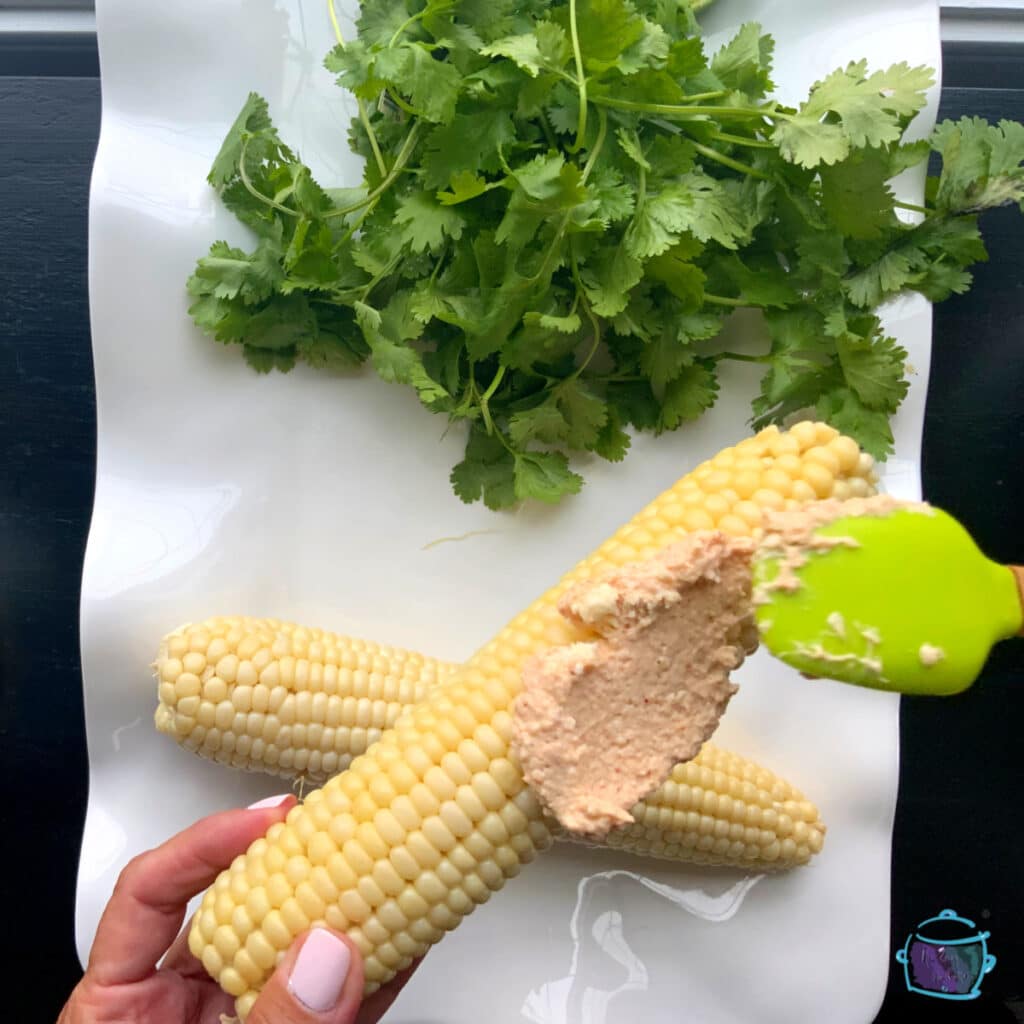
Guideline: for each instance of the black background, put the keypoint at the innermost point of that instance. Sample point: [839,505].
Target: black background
[958,830]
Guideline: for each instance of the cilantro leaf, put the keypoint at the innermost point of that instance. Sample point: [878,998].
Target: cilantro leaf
[689,395]
[651,49]
[612,442]
[867,109]
[227,272]
[874,367]
[940,280]
[487,471]
[381,21]
[981,164]
[544,423]
[759,282]
[253,134]
[668,353]
[664,358]
[544,476]
[634,402]
[571,414]
[584,412]
[797,354]
[486,246]
[658,223]
[283,323]
[469,145]
[745,62]
[889,274]
[426,223]
[930,258]
[545,49]
[613,197]
[630,143]
[432,85]
[568,324]
[607,30]
[263,360]
[856,195]
[697,204]
[388,333]
[608,278]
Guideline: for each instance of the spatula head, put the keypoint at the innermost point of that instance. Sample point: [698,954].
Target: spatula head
[897,597]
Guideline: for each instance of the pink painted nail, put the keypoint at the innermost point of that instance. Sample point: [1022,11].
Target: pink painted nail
[268,802]
[320,970]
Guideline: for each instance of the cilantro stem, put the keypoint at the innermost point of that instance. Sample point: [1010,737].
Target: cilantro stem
[485,409]
[727,161]
[493,386]
[255,192]
[686,113]
[911,206]
[582,299]
[401,160]
[401,28]
[379,276]
[439,264]
[333,14]
[402,105]
[739,357]
[556,241]
[581,125]
[598,143]
[722,300]
[430,8]
[596,324]
[740,140]
[364,117]
[356,225]
[378,157]
[567,216]
[548,135]
[698,96]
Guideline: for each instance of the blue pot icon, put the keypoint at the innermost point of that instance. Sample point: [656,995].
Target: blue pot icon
[946,957]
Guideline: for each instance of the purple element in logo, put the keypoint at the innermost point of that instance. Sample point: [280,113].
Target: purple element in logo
[944,968]
[946,957]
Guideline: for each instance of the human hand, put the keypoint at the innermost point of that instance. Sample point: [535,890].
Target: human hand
[141,970]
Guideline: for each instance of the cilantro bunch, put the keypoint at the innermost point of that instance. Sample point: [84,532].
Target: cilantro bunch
[563,200]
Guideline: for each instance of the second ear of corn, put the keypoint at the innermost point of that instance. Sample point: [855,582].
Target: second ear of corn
[435,815]
[264,695]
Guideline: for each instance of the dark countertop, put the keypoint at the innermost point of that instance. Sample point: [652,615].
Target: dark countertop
[959,828]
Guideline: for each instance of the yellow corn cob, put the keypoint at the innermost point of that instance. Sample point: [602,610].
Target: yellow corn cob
[270,696]
[435,815]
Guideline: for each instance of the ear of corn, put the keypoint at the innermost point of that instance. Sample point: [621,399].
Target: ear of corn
[270,696]
[435,815]
[319,698]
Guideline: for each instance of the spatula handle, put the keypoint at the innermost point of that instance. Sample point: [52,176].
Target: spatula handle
[1018,572]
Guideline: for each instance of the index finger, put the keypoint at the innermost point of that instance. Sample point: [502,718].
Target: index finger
[149,900]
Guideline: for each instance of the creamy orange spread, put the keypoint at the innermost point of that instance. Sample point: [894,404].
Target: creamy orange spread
[791,536]
[600,724]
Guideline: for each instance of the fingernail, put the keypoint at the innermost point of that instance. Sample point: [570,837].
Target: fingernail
[320,970]
[267,802]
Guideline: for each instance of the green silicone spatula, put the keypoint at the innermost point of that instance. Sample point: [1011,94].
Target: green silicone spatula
[899,600]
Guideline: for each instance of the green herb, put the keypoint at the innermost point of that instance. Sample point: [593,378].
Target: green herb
[563,201]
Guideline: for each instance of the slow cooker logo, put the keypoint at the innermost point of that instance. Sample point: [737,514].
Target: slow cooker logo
[946,957]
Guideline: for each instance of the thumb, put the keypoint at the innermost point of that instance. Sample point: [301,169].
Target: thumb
[320,981]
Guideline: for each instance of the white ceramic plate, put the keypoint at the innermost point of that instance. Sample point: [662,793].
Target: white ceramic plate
[315,498]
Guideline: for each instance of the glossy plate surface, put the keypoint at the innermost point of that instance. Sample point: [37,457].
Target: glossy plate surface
[319,499]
